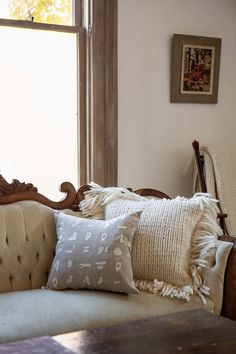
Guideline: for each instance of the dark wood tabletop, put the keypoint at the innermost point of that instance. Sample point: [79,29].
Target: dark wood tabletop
[195,331]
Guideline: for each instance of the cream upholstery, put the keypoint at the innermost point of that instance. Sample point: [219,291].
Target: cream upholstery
[214,276]
[27,244]
[51,312]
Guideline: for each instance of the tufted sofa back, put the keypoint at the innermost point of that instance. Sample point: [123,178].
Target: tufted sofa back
[27,245]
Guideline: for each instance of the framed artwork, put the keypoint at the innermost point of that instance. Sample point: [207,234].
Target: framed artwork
[195,69]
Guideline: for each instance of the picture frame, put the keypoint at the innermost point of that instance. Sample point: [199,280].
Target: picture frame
[195,67]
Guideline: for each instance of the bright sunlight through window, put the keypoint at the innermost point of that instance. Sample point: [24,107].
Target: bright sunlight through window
[38,95]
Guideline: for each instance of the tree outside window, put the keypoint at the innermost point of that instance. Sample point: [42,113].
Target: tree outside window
[42,11]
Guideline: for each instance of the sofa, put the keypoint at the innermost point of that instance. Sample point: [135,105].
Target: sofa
[27,248]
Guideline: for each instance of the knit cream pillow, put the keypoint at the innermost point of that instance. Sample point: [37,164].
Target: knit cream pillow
[171,242]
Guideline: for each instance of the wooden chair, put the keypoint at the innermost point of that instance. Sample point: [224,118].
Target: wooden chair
[230,276]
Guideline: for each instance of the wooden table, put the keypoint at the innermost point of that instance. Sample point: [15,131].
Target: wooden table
[195,331]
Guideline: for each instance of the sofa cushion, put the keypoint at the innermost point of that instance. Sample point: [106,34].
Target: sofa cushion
[33,313]
[27,245]
[94,254]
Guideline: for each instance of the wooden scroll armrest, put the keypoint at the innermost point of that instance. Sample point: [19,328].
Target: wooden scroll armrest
[229,299]
[19,191]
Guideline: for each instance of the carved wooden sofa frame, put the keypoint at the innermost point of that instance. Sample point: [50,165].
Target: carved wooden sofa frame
[18,191]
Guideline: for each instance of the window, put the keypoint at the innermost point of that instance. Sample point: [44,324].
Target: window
[38,90]
[39,100]
[95,57]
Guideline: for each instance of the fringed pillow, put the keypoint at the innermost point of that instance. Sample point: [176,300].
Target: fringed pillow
[171,243]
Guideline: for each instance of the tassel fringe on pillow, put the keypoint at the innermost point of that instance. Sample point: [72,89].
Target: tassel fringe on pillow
[97,197]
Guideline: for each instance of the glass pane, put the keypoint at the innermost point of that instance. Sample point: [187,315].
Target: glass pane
[38,90]
[43,11]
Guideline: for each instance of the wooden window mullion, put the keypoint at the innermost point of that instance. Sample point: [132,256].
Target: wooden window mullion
[103,91]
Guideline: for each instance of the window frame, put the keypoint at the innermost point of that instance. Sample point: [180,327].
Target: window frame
[100,159]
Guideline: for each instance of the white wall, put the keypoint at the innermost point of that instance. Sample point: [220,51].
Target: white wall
[155,135]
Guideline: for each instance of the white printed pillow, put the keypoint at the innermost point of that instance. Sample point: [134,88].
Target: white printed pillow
[94,254]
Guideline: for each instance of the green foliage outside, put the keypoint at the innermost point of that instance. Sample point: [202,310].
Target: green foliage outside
[44,11]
